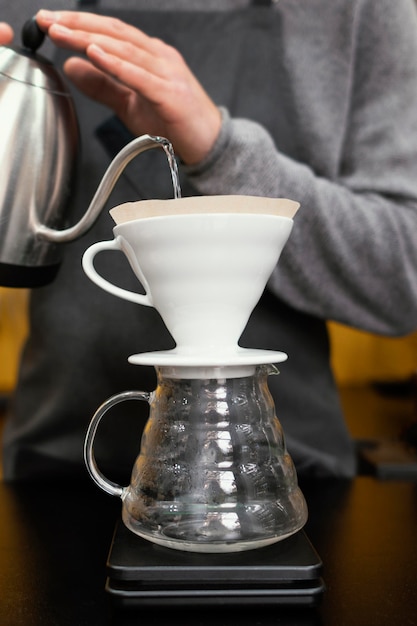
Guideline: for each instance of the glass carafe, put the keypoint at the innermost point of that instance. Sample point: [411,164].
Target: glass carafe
[213,473]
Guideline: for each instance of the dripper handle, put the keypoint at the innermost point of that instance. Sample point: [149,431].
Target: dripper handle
[104,483]
[95,277]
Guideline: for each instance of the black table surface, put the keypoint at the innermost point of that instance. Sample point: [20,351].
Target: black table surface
[54,543]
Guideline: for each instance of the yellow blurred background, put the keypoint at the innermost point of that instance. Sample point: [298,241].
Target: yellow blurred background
[358,358]
[13,330]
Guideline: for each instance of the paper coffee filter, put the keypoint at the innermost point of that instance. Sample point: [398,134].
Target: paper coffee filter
[204,204]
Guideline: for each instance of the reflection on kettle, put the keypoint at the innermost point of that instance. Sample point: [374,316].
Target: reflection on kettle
[38,154]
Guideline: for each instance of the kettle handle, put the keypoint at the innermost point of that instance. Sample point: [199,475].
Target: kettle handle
[104,483]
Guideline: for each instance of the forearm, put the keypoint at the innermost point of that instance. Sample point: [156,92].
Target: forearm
[352,255]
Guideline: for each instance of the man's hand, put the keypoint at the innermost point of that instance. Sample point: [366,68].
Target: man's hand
[145,81]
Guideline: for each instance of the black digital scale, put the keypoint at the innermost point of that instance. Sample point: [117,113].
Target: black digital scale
[143,574]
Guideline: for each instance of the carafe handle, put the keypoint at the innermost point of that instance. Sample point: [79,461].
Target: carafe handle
[95,277]
[104,483]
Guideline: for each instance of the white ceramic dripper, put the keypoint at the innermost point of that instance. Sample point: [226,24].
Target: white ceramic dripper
[203,262]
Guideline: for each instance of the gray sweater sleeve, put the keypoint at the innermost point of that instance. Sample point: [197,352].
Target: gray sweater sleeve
[352,255]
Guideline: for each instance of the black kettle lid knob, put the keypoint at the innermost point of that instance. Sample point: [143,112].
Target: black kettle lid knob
[32,35]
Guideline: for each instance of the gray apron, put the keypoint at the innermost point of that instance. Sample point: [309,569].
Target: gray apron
[81,337]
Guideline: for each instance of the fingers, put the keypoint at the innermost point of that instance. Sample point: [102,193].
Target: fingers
[140,72]
[124,54]
[78,30]
[96,85]
[6,34]
[121,58]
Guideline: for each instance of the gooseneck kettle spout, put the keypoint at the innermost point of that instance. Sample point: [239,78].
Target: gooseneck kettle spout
[111,176]
[39,150]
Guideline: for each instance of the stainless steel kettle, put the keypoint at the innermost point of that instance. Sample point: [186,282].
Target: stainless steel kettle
[39,147]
